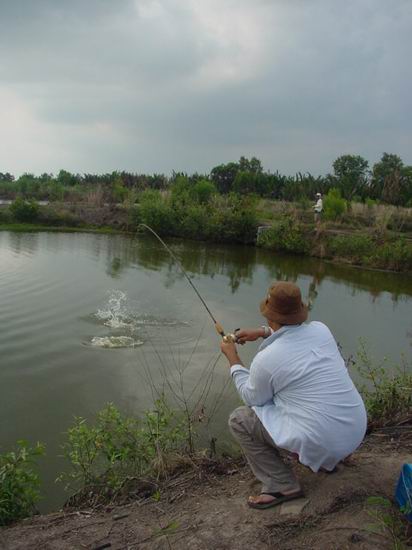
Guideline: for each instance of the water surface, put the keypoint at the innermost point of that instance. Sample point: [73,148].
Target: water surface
[86,319]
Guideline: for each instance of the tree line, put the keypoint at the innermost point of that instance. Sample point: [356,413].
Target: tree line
[388,181]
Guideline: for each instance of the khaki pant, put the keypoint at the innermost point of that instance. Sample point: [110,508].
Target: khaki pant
[261,452]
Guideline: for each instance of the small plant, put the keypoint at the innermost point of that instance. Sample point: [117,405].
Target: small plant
[105,455]
[24,211]
[388,522]
[333,205]
[19,484]
[395,254]
[156,212]
[353,247]
[203,191]
[119,191]
[304,203]
[387,392]
[5,215]
[370,203]
[286,234]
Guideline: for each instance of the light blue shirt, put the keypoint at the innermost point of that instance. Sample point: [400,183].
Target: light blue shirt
[300,389]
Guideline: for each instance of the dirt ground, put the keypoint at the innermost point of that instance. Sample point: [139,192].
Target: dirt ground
[205,508]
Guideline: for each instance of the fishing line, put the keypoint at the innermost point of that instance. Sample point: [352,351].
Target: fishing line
[218,326]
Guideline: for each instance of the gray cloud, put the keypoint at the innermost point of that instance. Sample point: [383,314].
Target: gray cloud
[157,85]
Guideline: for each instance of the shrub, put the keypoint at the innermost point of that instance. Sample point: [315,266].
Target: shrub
[24,211]
[119,191]
[5,215]
[181,192]
[228,218]
[156,212]
[333,205]
[104,456]
[353,247]
[203,191]
[396,255]
[234,219]
[387,391]
[55,216]
[19,484]
[287,235]
[195,222]
[304,203]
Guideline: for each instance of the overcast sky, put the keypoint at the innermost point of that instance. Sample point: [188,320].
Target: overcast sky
[160,85]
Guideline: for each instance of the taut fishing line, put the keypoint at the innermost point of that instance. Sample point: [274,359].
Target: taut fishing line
[218,326]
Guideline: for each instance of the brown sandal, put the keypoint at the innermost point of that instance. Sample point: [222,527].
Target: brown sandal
[278,499]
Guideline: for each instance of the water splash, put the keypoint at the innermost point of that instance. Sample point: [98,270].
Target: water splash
[126,326]
[114,342]
[115,314]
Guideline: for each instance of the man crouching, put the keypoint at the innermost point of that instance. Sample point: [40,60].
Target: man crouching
[298,396]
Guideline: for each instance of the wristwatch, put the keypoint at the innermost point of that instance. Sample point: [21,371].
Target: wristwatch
[267,331]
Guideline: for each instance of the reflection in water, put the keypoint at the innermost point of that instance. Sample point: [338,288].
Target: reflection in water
[23,242]
[238,263]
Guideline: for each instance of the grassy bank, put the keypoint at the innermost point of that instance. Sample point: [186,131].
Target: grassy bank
[360,248]
[371,236]
[35,228]
[115,457]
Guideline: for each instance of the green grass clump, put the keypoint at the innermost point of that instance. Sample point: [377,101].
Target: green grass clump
[222,219]
[5,215]
[24,210]
[286,235]
[395,255]
[334,206]
[19,484]
[386,390]
[353,247]
[104,456]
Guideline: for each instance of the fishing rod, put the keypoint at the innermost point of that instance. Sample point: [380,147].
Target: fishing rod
[218,326]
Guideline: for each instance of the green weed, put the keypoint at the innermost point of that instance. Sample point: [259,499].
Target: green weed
[333,205]
[105,455]
[387,391]
[286,235]
[388,522]
[19,483]
[24,210]
[354,247]
[395,255]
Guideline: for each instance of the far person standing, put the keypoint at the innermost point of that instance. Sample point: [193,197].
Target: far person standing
[318,207]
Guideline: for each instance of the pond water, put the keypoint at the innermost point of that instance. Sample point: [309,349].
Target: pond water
[88,319]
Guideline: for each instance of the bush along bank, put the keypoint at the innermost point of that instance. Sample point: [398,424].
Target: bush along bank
[196,212]
[366,249]
[216,218]
[199,212]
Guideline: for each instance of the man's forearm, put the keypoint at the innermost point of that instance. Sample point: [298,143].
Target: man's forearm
[233,359]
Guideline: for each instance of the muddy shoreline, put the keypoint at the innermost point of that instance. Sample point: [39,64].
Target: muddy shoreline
[205,507]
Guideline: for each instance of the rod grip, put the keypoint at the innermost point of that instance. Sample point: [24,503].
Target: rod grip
[219,329]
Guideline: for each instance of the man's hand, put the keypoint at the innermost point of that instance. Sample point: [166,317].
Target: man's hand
[229,349]
[248,334]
